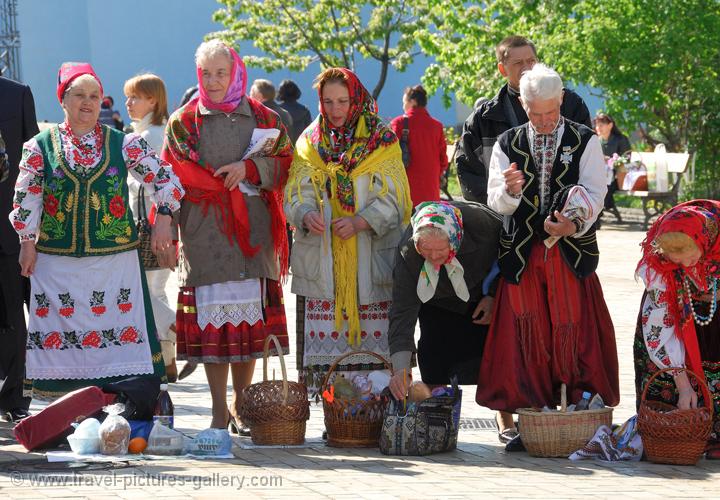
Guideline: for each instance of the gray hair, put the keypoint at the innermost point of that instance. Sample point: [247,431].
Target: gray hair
[425,231]
[540,83]
[265,88]
[211,49]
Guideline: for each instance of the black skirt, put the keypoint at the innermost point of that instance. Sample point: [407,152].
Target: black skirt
[450,344]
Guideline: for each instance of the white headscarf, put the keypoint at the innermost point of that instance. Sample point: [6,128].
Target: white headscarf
[448,219]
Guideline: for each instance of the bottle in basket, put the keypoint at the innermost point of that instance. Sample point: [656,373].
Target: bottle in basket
[584,402]
[164,409]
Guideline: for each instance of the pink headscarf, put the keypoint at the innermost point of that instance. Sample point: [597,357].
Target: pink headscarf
[236,90]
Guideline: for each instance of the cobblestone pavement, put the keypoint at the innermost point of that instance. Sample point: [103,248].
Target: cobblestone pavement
[479,468]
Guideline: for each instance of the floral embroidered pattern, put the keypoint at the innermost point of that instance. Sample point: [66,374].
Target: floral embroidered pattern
[123,300]
[32,207]
[91,339]
[97,303]
[67,308]
[55,205]
[114,224]
[21,216]
[85,151]
[43,305]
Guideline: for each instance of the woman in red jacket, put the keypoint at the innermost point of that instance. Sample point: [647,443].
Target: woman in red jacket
[426,141]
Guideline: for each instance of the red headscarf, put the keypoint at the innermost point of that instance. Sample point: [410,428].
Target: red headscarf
[699,219]
[236,90]
[362,133]
[335,144]
[69,71]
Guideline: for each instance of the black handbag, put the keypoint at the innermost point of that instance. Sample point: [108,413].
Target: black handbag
[144,232]
[422,428]
[138,394]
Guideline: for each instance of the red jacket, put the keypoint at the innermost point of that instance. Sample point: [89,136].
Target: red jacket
[428,154]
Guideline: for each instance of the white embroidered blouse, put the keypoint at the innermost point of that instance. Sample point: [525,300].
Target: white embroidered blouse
[664,347]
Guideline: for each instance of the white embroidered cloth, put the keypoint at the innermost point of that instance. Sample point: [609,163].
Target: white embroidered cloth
[229,302]
[87,318]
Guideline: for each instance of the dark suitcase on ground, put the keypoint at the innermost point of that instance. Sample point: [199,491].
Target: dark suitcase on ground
[49,427]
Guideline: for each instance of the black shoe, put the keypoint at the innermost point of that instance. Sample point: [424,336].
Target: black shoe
[515,444]
[15,415]
[238,428]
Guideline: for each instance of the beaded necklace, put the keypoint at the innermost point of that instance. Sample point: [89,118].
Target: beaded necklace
[700,319]
[87,151]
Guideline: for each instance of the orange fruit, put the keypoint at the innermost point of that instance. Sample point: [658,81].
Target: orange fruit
[137,445]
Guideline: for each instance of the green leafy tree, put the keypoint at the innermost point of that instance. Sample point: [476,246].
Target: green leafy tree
[297,33]
[655,62]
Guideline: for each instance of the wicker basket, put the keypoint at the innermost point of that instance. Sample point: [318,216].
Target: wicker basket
[670,435]
[560,433]
[353,423]
[274,410]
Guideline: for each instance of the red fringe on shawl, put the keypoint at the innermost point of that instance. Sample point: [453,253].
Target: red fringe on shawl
[201,187]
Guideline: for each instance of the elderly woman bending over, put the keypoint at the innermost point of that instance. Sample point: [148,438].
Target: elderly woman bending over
[233,245]
[444,278]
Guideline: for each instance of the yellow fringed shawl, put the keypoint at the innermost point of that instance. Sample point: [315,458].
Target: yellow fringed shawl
[384,164]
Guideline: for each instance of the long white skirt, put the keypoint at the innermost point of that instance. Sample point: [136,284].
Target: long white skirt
[87,319]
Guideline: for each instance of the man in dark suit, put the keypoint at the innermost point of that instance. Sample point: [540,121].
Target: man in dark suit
[515,55]
[17,125]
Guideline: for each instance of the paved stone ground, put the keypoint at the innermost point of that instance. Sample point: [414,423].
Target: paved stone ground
[479,468]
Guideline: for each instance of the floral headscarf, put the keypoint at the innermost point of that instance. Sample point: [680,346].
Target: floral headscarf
[699,219]
[236,90]
[362,133]
[448,219]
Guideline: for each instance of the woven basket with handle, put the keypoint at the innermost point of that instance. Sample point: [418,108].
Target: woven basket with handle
[275,410]
[671,435]
[353,423]
[560,433]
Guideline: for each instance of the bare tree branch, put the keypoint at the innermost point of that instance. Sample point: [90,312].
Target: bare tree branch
[337,31]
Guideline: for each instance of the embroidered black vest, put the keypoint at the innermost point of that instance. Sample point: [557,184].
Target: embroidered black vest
[526,224]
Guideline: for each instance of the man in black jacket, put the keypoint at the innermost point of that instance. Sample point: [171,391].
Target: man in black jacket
[17,125]
[515,54]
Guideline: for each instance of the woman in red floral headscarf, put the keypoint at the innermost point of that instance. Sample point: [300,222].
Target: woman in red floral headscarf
[233,242]
[678,324]
[348,197]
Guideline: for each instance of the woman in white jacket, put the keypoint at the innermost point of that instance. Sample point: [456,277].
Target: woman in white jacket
[147,106]
[348,197]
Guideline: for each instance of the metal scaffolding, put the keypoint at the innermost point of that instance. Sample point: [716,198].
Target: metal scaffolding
[9,40]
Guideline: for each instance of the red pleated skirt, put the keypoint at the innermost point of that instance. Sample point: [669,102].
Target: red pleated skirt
[551,328]
[229,343]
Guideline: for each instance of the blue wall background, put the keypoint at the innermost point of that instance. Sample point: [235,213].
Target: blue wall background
[123,38]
